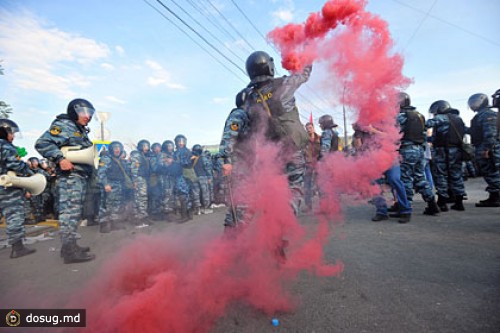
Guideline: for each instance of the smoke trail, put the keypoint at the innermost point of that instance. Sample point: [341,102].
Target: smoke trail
[183,283]
[363,72]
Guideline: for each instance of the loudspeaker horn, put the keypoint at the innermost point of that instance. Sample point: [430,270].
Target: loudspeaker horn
[34,184]
[77,155]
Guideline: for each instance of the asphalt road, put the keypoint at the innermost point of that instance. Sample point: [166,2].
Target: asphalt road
[435,274]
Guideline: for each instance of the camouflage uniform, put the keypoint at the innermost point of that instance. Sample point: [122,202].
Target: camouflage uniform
[329,142]
[72,185]
[447,157]
[187,182]
[412,154]
[167,181]
[112,171]
[483,132]
[203,168]
[12,198]
[236,129]
[140,170]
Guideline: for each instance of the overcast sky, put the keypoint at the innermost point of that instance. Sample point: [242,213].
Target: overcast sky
[128,59]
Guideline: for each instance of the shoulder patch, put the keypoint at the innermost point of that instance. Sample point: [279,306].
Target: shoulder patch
[234,126]
[55,130]
[101,163]
[77,134]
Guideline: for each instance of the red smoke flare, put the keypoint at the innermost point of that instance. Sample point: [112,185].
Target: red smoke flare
[183,283]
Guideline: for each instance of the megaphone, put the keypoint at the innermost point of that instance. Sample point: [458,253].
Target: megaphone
[76,155]
[34,184]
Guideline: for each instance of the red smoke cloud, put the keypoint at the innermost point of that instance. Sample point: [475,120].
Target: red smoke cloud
[364,74]
[184,283]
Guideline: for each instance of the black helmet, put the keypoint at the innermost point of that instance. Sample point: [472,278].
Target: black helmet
[439,107]
[197,150]
[141,144]
[7,126]
[179,138]
[154,145]
[496,99]
[79,106]
[404,100]
[259,63]
[478,101]
[34,159]
[166,144]
[326,121]
[114,144]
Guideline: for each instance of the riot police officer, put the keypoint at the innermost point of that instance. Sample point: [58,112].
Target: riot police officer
[140,170]
[114,175]
[329,137]
[11,198]
[447,137]
[70,129]
[484,137]
[412,127]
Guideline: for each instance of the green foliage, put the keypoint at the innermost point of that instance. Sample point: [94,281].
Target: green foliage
[21,151]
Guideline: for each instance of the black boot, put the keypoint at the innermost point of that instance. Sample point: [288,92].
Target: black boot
[404,218]
[432,208]
[78,247]
[459,204]
[184,212]
[492,201]
[72,253]
[442,201]
[19,250]
[105,227]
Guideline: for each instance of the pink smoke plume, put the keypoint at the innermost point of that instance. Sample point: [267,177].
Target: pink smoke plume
[184,283]
[364,74]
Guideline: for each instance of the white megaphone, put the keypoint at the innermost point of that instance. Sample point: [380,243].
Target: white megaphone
[77,155]
[34,184]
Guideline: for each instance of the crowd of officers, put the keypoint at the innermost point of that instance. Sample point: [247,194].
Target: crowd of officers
[156,182]
[168,179]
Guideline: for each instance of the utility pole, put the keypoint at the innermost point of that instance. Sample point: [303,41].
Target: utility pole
[345,119]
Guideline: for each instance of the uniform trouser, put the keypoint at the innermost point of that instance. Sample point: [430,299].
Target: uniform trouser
[412,172]
[295,170]
[113,203]
[393,176]
[168,199]
[155,194]
[72,189]
[308,184]
[183,190]
[141,197]
[204,191]
[12,207]
[488,169]
[448,169]
[195,193]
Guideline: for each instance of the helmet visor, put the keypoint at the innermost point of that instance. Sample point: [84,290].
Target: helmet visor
[84,111]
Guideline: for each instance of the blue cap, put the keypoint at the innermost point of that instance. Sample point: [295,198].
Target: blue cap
[275,322]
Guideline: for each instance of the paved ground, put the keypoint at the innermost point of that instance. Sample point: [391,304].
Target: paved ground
[435,274]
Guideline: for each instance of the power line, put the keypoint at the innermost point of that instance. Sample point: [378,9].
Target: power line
[420,24]
[230,24]
[192,39]
[209,32]
[212,19]
[450,24]
[200,36]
